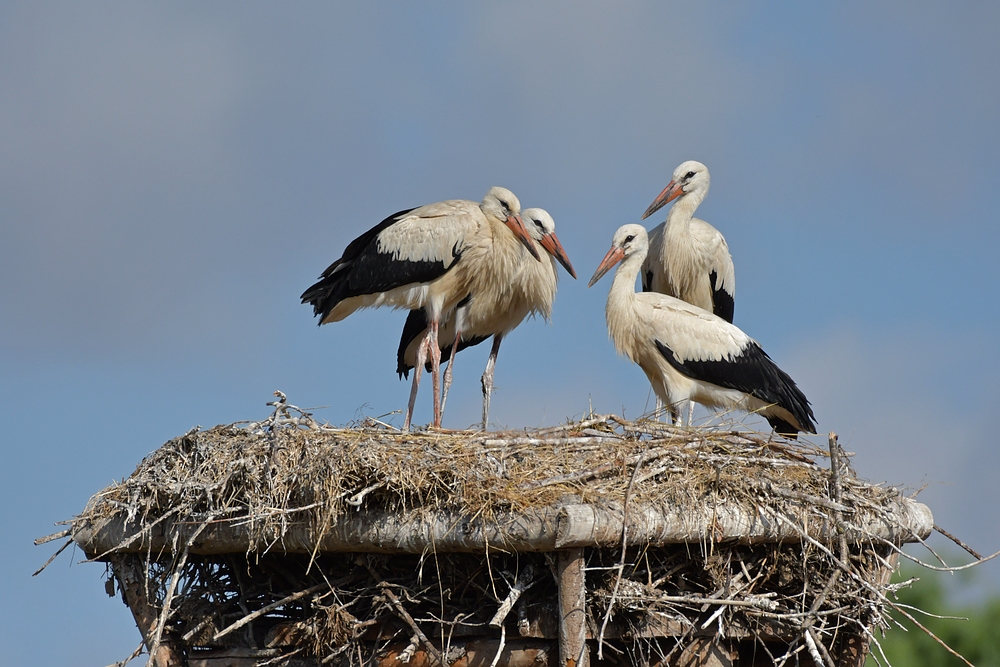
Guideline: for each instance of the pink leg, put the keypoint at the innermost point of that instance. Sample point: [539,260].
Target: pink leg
[419,366]
[435,351]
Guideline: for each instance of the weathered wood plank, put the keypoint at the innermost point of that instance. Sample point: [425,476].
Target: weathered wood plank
[543,529]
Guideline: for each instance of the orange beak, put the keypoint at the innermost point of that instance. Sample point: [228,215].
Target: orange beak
[614,256]
[670,193]
[516,225]
[551,243]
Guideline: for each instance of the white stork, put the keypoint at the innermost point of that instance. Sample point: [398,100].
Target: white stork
[496,312]
[430,258]
[689,258]
[690,354]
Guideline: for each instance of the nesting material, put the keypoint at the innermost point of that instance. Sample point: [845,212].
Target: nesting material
[289,541]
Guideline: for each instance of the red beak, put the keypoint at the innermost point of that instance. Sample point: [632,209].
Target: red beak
[551,243]
[614,256]
[670,193]
[517,226]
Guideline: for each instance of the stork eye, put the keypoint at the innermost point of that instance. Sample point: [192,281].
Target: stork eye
[629,238]
[690,174]
[538,223]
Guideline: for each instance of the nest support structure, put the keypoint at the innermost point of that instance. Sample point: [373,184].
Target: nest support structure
[601,542]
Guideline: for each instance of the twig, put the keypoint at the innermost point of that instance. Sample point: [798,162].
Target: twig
[54,536]
[500,646]
[946,534]
[933,553]
[525,580]
[575,440]
[263,610]
[281,657]
[806,498]
[148,528]
[881,596]
[821,658]
[844,561]
[595,471]
[578,426]
[401,610]
[931,634]
[835,481]
[135,654]
[921,563]
[190,634]
[168,598]
[756,601]
[359,497]
[53,556]
[930,615]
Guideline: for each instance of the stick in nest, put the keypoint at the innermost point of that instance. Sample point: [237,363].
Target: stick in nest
[401,611]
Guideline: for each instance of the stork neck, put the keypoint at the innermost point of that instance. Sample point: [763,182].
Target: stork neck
[620,311]
[623,287]
[683,210]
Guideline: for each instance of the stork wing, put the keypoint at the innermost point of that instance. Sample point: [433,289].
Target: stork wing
[722,273]
[706,348]
[413,246]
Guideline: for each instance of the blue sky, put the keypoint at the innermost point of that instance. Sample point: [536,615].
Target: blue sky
[173,176]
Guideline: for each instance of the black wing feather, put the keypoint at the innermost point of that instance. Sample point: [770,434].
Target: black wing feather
[364,269]
[752,372]
[722,301]
[416,323]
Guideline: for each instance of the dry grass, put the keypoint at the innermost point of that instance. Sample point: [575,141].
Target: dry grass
[336,608]
[275,475]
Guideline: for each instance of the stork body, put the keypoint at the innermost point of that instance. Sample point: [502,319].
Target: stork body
[429,258]
[689,258]
[688,353]
[494,312]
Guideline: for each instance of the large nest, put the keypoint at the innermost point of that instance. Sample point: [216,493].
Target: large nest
[296,541]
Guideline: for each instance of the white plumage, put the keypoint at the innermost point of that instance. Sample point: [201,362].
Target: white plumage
[688,353]
[689,258]
[495,310]
[430,258]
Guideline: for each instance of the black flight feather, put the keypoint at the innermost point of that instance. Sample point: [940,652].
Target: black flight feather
[722,301]
[364,269]
[753,372]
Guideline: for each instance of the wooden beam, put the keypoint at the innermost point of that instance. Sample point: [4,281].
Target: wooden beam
[542,529]
[570,566]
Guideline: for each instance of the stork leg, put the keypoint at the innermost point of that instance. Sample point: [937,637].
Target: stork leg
[448,371]
[658,411]
[690,413]
[488,378]
[435,351]
[421,360]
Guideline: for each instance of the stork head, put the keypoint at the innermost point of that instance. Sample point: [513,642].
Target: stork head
[542,228]
[501,204]
[690,178]
[629,240]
